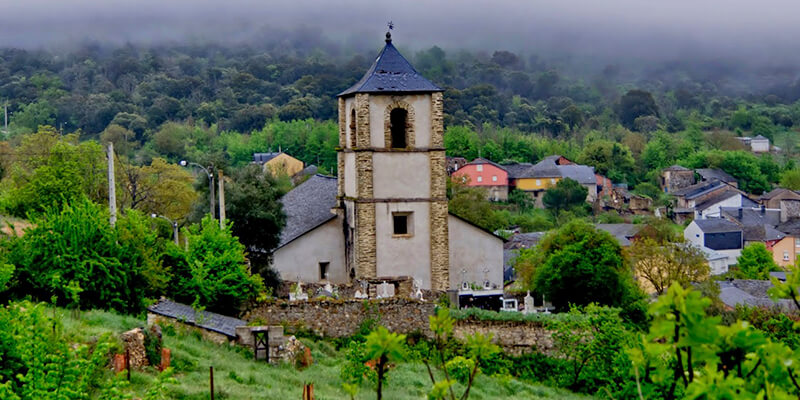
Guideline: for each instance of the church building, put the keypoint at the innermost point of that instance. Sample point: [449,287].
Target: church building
[385,214]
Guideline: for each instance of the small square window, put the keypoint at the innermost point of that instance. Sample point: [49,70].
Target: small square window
[797,242]
[553,181]
[494,178]
[479,168]
[480,179]
[785,256]
[538,182]
[402,224]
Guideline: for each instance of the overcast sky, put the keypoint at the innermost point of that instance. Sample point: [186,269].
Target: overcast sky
[766,30]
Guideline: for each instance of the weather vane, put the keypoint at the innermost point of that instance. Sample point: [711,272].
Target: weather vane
[389,34]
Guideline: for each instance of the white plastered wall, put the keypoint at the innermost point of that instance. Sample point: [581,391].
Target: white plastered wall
[407,255]
[421,103]
[401,175]
[301,257]
[474,250]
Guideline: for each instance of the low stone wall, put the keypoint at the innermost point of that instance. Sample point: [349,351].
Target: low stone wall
[342,318]
[515,337]
[335,319]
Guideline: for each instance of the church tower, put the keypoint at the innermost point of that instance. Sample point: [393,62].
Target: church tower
[392,174]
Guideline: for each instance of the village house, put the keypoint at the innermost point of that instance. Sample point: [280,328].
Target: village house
[773,198]
[537,178]
[675,178]
[623,233]
[279,162]
[786,252]
[704,199]
[715,174]
[718,234]
[386,214]
[454,163]
[758,144]
[485,174]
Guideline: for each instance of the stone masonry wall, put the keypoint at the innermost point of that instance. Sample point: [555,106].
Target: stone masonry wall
[336,319]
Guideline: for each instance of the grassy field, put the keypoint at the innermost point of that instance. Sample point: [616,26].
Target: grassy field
[237,376]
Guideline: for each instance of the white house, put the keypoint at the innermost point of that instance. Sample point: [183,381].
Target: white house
[718,234]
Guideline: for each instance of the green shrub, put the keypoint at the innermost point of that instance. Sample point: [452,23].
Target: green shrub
[459,368]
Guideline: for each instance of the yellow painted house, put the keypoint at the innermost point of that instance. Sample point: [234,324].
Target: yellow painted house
[278,163]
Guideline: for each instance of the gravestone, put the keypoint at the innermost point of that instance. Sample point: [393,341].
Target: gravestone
[528,303]
[298,294]
[385,290]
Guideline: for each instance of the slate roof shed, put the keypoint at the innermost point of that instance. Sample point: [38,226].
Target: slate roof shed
[210,321]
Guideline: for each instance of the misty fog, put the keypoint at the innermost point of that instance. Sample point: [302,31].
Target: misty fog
[760,32]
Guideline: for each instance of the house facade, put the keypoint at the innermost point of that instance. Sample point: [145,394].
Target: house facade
[388,204]
[277,163]
[675,178]
[485,174]
[718,234]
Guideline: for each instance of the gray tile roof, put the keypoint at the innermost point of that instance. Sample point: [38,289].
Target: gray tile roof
[777,192]
[581,173]
[698,189]
[750,293]
[517,170]
[262,158]
[717,225]
[210,321]
[308,206]
[753,216]
[716,198]
[481,160]
[391,73]
[709,174]
[524,240]
[676,167]
[791,227]
[621,232]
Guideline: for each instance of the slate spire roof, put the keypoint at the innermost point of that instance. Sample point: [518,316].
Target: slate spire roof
[391,73]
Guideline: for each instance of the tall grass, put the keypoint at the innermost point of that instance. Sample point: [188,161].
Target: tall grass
[237,376]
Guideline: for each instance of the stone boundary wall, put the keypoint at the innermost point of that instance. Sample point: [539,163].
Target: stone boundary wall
[336,319]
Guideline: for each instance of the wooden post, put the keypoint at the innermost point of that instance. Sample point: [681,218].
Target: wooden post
[221,199]
[112,186]
[308,391]
[211,380]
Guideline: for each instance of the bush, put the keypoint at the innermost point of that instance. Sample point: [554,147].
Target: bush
[74,254]
[459,368]
[213,272]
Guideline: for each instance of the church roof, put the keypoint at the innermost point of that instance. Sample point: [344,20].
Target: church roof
[308,206]
[391,73]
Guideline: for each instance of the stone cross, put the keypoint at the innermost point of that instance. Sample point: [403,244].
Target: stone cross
[385,290]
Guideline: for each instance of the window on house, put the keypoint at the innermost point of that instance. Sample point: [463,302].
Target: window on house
[323,270]
[785,256]
[797,242]
[353,128]
[538,182]
[479,167]
[553,181]
[480,179]
[401,223]
[397,125]
[494,178]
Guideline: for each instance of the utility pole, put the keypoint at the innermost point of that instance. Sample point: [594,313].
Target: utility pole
[5,112]
[211,191]
[112,187]
[221,200]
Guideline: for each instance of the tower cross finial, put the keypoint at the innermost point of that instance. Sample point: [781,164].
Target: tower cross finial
[388,33]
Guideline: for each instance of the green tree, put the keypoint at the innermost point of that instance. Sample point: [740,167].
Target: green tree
[565,195]
[159,188]
[253,205]
[470,203]
[790,179]
[212,272]
[384,346]
[580,265]
[75,250]
[611,159]
[756,262]
[634,104]
[659,264]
